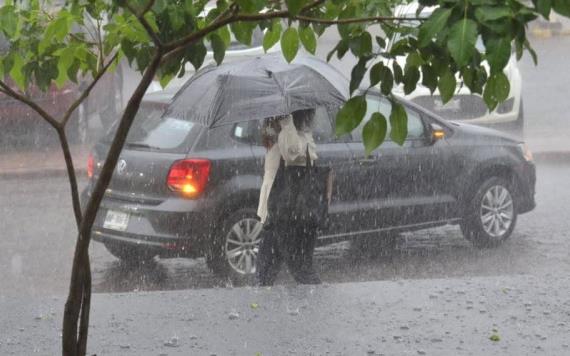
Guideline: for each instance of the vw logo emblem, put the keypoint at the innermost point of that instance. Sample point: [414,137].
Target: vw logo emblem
[121,167]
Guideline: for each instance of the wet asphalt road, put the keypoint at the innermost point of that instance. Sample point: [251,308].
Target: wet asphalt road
[36,247]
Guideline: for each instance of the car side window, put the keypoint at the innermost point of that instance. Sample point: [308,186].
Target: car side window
[250,131]
[416,128]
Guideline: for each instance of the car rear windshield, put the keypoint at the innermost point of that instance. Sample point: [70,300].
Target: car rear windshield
[151,131]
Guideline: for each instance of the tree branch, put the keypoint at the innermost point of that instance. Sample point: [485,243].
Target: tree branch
[79,283]
[148,28]
[12,93]
[87,91]
[148,6]
[64,143]
[357,20]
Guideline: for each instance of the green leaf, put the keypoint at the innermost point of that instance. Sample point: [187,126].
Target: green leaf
[294,6]
[562,7]
[17,72]
[530,50]
[357,74]
[461,41]
[349,12]
[497,90]
[243,31]
[308,39]
[350,115]
[429,78]
[381,42]
[8,21]
[498,51]
[196,54]
[374,132]
[447,85]
[398,123]
[342,48]
[492,13]
[544,7]
[398,73]
[411,79]
[433,26]
[246,5]
[272,36]
[387,82]
[57,29]
[290,43]
[66,58]
[376,73]
[361,45]
[165,79]
[225,35]
[219,48]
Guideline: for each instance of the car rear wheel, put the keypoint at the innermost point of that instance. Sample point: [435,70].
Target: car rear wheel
[491,216]
[130,255]
[233,252]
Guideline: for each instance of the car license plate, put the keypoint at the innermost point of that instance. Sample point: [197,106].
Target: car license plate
[116,220]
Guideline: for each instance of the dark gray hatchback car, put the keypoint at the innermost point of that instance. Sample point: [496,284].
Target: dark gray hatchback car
[181,190]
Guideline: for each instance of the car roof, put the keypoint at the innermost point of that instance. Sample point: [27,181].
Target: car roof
[161,97]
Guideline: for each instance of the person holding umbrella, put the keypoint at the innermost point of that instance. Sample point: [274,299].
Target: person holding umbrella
[290,145]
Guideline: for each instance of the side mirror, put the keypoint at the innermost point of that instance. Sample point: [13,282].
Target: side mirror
[437,133]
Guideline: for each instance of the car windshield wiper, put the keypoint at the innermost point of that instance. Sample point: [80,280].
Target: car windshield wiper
[142,145]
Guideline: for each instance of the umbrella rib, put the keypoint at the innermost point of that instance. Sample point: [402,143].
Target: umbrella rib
[221,87]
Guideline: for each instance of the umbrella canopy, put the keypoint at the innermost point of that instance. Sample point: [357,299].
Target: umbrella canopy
[257,88]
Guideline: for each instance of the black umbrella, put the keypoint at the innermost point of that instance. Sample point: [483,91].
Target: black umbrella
[257,88]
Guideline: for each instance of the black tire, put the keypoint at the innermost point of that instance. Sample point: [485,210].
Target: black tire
[487,224]
[224,240]
[130,255]
[381,245]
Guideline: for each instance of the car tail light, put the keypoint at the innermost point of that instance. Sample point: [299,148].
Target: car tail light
[90,165]
[189,176]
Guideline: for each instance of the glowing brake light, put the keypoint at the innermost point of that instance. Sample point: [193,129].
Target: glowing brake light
[90,165]
[189,176]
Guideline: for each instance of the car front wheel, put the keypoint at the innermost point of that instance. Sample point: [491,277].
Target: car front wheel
[233,252]
[491,216]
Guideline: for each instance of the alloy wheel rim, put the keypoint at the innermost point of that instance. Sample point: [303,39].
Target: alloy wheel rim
[242,245]
[497,211]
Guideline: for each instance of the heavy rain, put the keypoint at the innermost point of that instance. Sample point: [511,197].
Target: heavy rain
[415,259]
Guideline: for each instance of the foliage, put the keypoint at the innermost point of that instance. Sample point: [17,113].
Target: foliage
[438,45]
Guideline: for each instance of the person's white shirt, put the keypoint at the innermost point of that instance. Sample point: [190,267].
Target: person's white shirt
[292,146]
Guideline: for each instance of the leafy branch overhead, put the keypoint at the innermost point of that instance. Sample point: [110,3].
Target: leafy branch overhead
[437,48]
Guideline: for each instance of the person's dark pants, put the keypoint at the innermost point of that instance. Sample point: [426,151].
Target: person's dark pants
[289,243]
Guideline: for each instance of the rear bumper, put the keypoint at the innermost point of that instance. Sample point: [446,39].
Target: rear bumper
[168,229]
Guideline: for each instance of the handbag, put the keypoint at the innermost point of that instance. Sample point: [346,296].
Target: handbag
[301,195]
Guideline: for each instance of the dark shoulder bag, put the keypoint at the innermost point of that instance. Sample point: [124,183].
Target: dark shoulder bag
[310,189]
